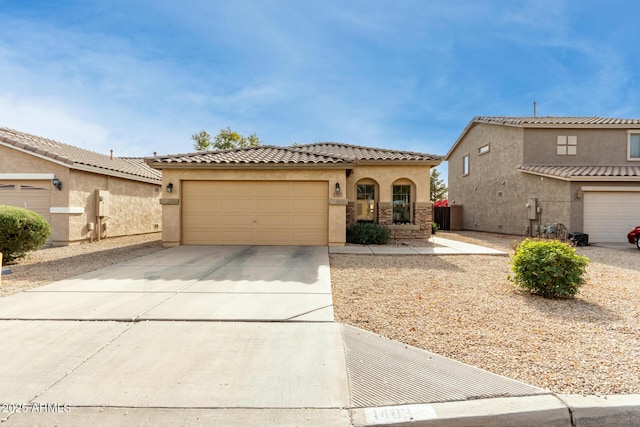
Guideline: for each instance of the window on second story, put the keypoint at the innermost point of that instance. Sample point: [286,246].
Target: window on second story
[567,145]
[465,165]
[633,150]
[483,149]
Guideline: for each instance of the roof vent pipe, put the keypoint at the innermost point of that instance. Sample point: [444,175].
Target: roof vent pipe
[111,154]
[534,108]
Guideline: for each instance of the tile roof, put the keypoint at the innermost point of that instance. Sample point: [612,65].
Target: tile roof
[546,122]
[356,152]
[132,167]
[263,154]
[318,154]
[554,121]
[582,172]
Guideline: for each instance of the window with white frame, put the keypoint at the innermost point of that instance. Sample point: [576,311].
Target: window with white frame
[465,165]
[483,149]
[567,145]
[633,146]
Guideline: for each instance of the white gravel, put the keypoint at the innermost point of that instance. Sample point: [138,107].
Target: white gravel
[58,263]
[464,307]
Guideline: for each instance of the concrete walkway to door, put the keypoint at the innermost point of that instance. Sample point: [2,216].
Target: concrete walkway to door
[230,336]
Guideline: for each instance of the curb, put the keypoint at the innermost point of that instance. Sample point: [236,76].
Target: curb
[548,410]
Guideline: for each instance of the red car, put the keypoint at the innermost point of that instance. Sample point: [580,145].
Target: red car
[634,237]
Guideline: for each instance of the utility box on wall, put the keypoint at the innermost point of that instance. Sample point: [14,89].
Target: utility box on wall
[102,203]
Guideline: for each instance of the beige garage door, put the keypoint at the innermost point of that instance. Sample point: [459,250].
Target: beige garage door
[609,216]
[254,213]
[33,195]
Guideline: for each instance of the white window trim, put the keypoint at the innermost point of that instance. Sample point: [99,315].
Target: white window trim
[466,156]
[66,210]
[486,147]
[27,176]
[629,133]
[567,145]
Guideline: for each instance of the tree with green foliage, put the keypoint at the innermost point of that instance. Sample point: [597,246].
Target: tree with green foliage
[226,139]
[439,189]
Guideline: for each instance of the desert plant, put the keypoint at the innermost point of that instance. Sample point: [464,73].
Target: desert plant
[367,234]
[21,231]
[548,267]
[434,228]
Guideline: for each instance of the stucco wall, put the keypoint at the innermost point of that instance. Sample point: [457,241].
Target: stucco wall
[14,161]
[134,206]
[594,146]
[171,213]
[493,194]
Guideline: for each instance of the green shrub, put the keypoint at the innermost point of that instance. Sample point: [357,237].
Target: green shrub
[434,228]
[21,231]
[548,267]
[367,234]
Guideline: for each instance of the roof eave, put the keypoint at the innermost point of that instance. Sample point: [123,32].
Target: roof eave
[248,166]
[574,178]
[82,167]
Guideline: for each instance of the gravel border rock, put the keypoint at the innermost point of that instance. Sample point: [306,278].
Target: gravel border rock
[464,307]
[58,263]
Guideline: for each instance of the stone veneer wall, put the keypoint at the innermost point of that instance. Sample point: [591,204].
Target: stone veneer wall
[351,214]
[420,229]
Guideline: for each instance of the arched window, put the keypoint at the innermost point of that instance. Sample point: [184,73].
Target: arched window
[401,200]
[366,200]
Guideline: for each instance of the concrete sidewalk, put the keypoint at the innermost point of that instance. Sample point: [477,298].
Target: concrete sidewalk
[239,336]
[441,247]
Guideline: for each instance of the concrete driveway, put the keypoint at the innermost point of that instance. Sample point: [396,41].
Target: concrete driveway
[191,283]
[188,327]
[227,336]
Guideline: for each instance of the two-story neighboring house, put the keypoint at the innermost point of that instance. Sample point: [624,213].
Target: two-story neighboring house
[515,174]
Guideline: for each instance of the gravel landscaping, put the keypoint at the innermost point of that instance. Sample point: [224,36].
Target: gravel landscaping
[463,307]
[58,263]
[460,306]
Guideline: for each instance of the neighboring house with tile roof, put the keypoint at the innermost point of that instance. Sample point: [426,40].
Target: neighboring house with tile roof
[297,195]
[515,174]
[63,183]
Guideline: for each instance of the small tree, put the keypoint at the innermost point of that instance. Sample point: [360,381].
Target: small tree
[439,189]
[226,139]
[202,141]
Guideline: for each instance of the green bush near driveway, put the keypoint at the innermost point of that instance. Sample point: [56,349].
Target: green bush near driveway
[367,234]
[549,268]
[21,231]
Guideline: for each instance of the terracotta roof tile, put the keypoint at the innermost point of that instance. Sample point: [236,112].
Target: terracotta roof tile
[71,155]
[582,171]
[263,154]
[557,121]
[320,153]
[356,152]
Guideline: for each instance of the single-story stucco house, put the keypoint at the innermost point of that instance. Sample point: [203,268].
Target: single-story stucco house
[82,194]
[297,195]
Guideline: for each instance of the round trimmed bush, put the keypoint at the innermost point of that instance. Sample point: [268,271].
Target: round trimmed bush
[21,231]
[548,267]
[367,234]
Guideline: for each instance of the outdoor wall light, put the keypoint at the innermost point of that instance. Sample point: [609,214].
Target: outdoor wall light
[57,183]
[170,187]
[337,188]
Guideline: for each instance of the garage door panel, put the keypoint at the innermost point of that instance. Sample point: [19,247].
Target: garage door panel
[254,212]
[32,195]
[609,216]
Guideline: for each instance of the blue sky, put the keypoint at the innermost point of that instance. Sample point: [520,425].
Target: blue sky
[142,76]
